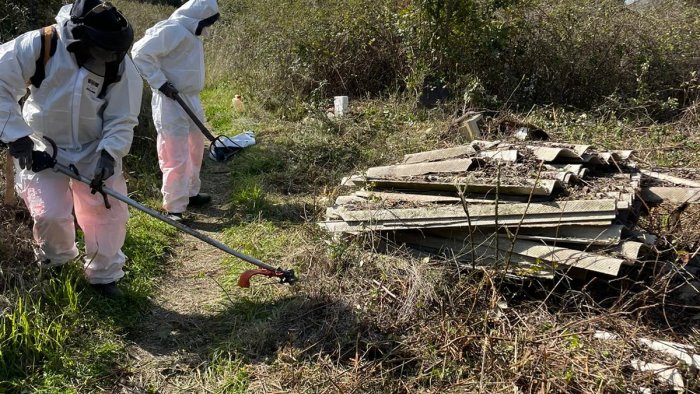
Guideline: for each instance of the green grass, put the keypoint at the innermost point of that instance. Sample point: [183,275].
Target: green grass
[61,336]
[148,245]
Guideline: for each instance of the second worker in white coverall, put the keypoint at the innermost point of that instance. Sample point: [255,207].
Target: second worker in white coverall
[170,57]
[85,95]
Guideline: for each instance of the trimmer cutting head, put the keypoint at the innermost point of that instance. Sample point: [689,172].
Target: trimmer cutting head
[223,148]
[285,276]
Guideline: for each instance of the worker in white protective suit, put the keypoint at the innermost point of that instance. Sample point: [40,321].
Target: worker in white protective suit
[170,57]
[87,99]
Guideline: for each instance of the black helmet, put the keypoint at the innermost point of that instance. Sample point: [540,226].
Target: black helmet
[97,23]
[206,23]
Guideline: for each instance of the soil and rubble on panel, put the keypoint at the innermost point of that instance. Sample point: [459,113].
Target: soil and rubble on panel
[542,210]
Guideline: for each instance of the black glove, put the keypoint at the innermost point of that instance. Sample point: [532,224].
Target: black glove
[21,150]
[103,170]
[168,89]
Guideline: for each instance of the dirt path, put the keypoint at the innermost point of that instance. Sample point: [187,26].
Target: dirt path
[169,347]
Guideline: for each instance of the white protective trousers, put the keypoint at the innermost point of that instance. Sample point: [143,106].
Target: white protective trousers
[180,149]
[51,198]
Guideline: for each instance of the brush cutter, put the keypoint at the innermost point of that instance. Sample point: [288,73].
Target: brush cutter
[222,147]
[42,161]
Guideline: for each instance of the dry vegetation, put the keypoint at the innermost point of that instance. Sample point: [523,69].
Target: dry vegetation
[15,247]
[365,321]
[369,321]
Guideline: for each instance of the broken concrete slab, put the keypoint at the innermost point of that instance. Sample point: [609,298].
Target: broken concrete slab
[509,155]
[679,351]
[337,225]
[543,187]
[670,178]
[439,167]
[503,248]
[555,209]
[409,197]
[559,155]
[449,153]
[679,195]
[663,373]
[584,235]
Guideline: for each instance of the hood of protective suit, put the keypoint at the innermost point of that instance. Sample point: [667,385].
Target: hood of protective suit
[62,18]
[64,14]
[196,13]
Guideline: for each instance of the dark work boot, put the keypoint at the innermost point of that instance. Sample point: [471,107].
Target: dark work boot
[176,216]
[53,269]
[200,199]
[109,290]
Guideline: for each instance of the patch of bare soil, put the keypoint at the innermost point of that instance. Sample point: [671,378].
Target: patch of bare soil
[168,348]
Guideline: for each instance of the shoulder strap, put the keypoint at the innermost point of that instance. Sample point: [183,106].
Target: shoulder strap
[49,41]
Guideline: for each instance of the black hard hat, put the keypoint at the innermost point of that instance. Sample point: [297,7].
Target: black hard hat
[100,23]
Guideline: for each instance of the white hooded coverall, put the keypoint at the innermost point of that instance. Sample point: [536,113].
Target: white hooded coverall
[67,109]
[171,51]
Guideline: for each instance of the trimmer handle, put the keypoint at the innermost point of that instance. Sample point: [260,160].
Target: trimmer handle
[194,117]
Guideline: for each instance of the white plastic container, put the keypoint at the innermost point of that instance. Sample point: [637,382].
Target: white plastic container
[340,105]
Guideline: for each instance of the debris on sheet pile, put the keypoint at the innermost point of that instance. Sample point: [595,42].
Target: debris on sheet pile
[533,207]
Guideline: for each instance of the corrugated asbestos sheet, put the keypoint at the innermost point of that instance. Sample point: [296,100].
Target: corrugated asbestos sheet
[531,208]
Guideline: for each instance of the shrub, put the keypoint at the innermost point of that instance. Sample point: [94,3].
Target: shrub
[448,41]
[284,50]
[17,17]
[577,53]
[523,51]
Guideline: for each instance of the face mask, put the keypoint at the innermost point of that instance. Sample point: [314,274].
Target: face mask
[103,55]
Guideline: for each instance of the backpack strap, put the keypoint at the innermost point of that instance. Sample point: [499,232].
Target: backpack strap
[49,41]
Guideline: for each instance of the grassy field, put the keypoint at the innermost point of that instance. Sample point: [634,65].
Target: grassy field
[361,321]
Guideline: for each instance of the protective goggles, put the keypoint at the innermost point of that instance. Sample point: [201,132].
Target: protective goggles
[106,55]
